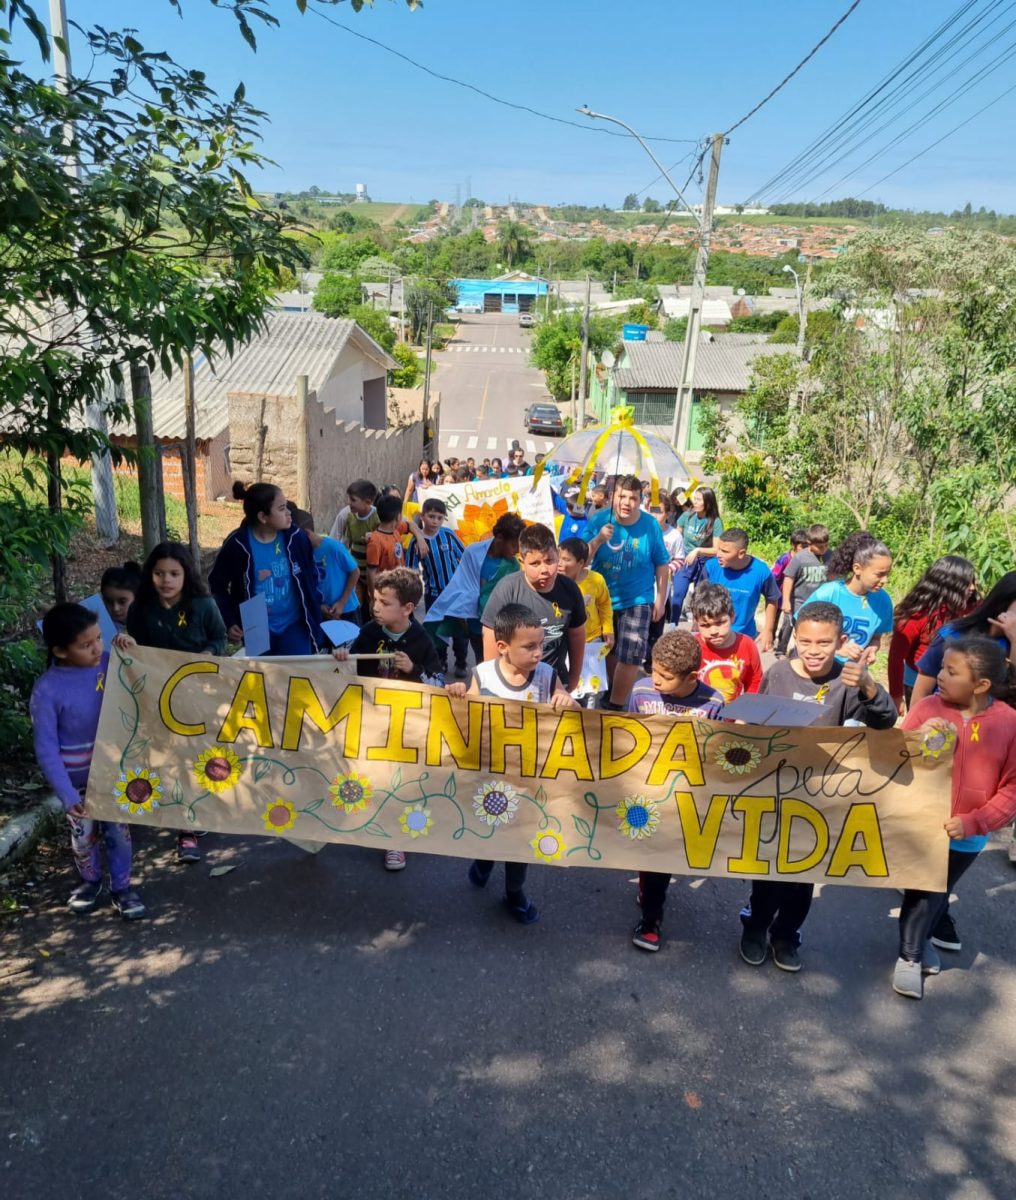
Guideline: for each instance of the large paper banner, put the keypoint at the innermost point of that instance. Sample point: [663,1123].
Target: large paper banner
[474,508]
[309,751]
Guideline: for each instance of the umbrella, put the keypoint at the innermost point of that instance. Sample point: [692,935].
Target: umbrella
[617,449]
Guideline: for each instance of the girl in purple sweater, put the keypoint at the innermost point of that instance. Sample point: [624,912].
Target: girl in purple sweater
[65,706]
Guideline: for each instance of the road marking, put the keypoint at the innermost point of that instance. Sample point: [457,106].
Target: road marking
[531,446]
[453,441]
[492,443]
[471,443]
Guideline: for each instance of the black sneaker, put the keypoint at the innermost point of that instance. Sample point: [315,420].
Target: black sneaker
[754,947]
[128,904]
[85,896]
[785,956]
[647,935]
[945,934]
[522,909]
[461,671]
[477,875]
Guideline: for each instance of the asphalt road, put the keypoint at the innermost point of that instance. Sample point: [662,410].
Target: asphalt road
[313,1027]
[486,384]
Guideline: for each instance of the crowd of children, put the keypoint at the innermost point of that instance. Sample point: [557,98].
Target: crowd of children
[528,604]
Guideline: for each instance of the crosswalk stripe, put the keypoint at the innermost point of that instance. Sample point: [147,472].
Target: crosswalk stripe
[492,443]
[531,446]
[471,443]
[453,441]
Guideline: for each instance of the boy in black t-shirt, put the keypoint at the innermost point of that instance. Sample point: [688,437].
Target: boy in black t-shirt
[554,599]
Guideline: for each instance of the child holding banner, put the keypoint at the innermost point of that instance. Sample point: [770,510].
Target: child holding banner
[599,632]
[397,645]
[673,690]
[776,910]
[983,730]
[517,673]
[730,660]
[65,706]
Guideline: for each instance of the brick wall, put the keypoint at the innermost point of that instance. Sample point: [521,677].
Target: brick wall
[210,467]
[263,445]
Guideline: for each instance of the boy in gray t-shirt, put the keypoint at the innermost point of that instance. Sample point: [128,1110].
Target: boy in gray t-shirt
[806,571]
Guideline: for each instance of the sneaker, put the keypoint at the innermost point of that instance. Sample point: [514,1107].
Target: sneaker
[461,671]
[524,911]
[477,876]
[187,848]
[754,948]
[607,705]
[647,935]
[907,980]
[395,860]
[128,904]
[931,964]
[945,935]
[785,955]
[85,896]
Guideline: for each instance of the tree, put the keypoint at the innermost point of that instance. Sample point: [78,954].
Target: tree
[649,205]
[631,202]
[345,253]
[675,329]
[374,321]
[337,295]
[408,374]
[557,344]
[512,243]
[423,297]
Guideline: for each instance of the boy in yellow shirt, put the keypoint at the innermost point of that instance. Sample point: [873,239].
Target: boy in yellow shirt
[574,559]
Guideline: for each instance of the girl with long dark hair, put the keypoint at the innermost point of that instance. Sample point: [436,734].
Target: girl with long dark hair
[858,570]
[699,527]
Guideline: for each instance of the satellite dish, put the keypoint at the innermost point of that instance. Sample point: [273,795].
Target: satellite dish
[607,358]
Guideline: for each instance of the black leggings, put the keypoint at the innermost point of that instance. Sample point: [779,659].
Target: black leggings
[514,873]
[920,911]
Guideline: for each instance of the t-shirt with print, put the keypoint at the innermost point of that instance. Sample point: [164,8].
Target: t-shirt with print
[560,609]
[839,703]
[648,702]
[629,560]
[356,532]
[734,670]
[745,587]
[864,617]
[808,572]
[694,530]
[538,688]
[334,565]
[384,549]
[273,579]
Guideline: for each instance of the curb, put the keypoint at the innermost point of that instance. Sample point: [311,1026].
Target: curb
[22,833]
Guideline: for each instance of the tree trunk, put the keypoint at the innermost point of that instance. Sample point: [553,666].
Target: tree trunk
[153,516]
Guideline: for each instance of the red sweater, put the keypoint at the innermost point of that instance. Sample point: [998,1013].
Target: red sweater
[984,766]
[733,670]
[911,637]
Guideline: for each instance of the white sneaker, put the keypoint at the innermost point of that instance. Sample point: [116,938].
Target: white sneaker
[907,980]
[395,860]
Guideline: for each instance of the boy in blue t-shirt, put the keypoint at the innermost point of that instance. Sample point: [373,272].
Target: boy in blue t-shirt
[747,579]
[337,572]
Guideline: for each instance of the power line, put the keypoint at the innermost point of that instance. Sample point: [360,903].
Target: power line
[489,95]
[938,141]
[787,78]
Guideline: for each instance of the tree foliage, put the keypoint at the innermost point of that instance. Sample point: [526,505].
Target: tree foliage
[337,295]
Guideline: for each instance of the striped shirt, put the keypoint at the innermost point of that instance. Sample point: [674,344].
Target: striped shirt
[65,708]
[446,552]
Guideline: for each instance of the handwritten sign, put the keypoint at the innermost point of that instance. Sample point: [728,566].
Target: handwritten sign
[474,508]
[310,751]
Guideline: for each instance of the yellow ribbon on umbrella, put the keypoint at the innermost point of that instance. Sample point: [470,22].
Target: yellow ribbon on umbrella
[622,424]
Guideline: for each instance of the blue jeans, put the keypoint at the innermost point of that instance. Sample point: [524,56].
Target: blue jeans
[293,640]
[87,840]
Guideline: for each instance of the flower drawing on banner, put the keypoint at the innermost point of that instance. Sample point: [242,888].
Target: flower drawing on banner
[415,820]
[279,816]
[637,817]
[495,803]
[938,740]
[351,792]
[548,845]
[477,521]
[217,769]
[138,791]
[737,756]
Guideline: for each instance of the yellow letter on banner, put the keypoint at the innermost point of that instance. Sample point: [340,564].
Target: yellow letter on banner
[680,736]
[754,809]
[791,810]
[568,749]
[861,821]
[251,692]
[610,764]
[444,732]
[395,750]
[166,697]
[302,701]
[700,836]
[502,736]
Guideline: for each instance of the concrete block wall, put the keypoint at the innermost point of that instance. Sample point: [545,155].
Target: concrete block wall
[263,444]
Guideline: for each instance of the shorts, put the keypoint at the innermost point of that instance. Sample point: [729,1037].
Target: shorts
[631,634]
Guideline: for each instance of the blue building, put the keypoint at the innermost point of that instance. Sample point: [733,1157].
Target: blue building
[512,293]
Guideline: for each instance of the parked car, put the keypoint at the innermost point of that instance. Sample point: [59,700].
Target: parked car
[543,418]
[526,320]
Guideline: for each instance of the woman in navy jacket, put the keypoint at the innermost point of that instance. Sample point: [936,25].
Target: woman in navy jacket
[269,555]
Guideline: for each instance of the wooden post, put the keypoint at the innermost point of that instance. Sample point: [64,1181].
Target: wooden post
[302,447]
[189,462]
[153,516]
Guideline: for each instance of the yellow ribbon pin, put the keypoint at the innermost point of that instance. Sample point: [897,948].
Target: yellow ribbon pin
[100,681]
[975,731]
[181,621]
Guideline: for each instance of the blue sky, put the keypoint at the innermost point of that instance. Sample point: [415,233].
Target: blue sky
[344,112]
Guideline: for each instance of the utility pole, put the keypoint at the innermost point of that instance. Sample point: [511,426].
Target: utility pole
[426,373]
[683,406]
[580,423]
[189,463]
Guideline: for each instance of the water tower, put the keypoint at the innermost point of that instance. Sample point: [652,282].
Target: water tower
[361,193]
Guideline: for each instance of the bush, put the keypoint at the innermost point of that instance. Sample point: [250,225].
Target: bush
[21,663]
[754,492]
[408,375]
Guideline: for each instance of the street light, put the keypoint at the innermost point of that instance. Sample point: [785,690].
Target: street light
[789,270]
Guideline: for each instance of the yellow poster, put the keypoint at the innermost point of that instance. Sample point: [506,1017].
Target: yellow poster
[307,750]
